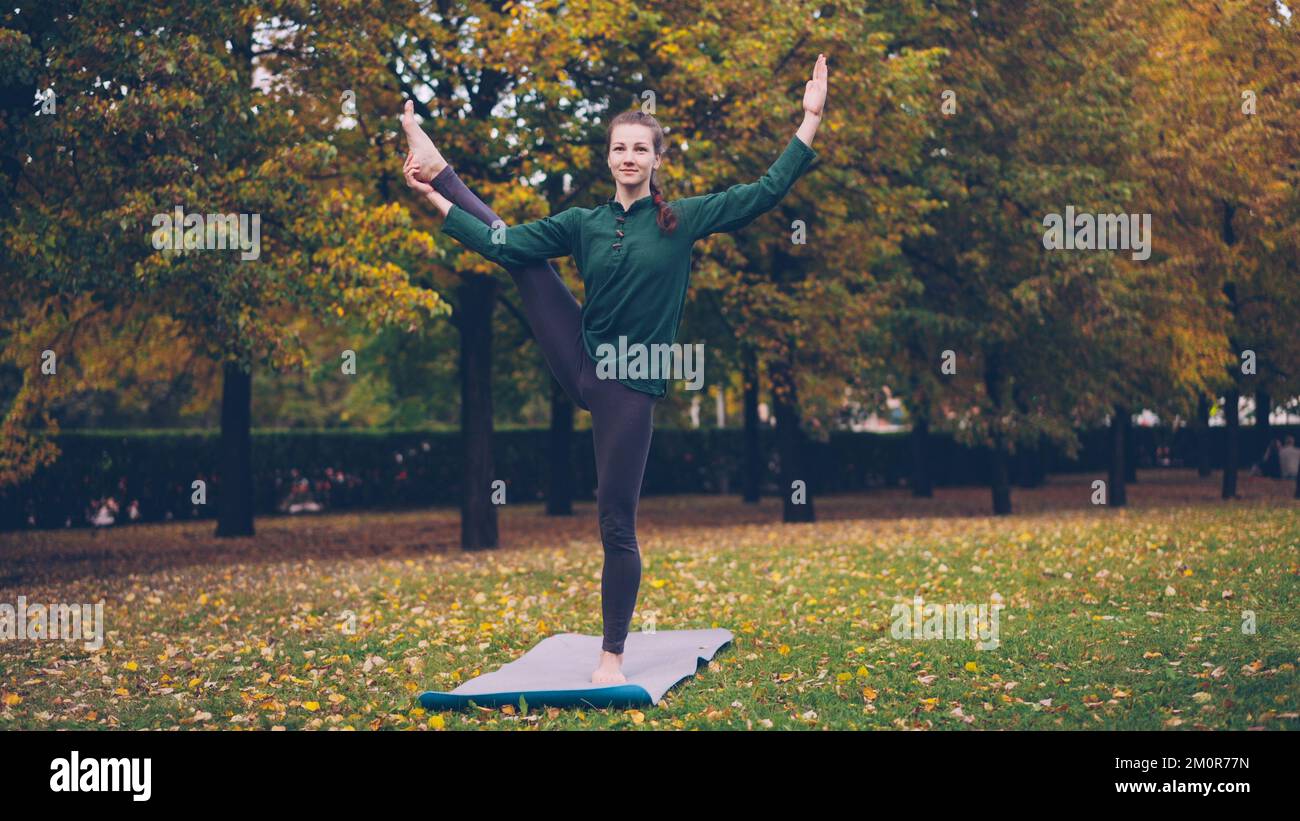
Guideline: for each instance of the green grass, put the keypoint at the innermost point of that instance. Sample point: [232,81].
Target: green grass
[1124,619]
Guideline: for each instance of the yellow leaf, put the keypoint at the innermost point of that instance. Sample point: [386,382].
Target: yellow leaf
[869,693]
[121,691]
[972,667]
[131,665]
[638,717]
[436,723]
[313,706]
[12,699]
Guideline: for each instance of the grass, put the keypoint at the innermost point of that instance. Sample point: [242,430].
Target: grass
[1114,618]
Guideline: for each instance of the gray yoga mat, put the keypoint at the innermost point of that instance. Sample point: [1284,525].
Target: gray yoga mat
[557,672]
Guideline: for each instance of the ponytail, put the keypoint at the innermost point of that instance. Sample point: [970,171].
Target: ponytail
[667,217]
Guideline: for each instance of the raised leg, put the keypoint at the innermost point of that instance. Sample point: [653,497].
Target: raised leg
[552,311]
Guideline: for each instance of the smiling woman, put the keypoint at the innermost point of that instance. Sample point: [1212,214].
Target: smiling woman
[634,149]
[634,253]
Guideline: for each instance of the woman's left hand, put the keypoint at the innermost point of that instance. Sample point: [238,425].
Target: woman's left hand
[814,92]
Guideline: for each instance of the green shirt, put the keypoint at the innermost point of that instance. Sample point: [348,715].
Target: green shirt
[635,287]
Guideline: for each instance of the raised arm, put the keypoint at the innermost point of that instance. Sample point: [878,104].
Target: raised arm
[740,205]
[512,246]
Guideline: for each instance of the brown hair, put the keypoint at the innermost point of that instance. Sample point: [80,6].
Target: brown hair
[667,218]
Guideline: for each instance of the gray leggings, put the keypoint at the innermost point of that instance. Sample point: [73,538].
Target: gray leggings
[622,419]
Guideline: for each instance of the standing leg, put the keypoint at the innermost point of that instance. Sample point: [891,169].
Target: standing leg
[553,313]
[622,423]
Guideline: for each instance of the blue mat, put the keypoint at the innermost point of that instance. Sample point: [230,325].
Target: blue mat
[557,672]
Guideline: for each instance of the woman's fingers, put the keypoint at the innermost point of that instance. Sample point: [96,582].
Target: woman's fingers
[409,170]
[410,164]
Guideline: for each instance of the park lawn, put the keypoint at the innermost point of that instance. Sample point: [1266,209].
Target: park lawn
[1124,619]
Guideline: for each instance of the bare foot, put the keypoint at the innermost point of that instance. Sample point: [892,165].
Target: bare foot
[429,160]
[610,670]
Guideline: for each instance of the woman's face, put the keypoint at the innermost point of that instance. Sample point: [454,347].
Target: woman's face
[632,154]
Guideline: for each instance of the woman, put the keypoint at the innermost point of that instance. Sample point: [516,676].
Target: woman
[634,253]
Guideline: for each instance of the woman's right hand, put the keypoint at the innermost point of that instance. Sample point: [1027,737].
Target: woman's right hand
[411,171]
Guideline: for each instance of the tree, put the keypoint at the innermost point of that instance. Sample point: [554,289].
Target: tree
[1029,116]
[173,111]
[797,285]
[1221,167]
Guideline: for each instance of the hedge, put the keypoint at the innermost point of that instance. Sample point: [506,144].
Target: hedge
[399,469]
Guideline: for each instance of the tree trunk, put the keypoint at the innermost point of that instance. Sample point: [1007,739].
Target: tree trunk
[752,468]
[999,480]
[792,447]
[235,495]
[1040,464]
[559,491]
[1263,427]
[1130,447]
[1028,462]
[1230,444]
[922,487]
[476,297]
[1116,492]
[1202,435]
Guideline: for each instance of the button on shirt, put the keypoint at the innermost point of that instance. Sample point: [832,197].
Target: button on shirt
[635,274]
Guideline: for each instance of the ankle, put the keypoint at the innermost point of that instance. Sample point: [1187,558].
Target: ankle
[431,173]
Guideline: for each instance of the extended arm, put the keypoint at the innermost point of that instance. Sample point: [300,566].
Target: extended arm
[740,205]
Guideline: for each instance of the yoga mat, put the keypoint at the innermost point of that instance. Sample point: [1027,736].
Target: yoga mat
[557,672]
